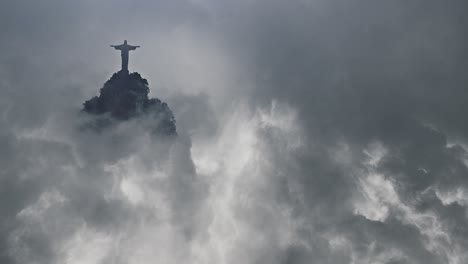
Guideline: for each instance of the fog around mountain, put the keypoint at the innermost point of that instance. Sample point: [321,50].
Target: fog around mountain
[308,131]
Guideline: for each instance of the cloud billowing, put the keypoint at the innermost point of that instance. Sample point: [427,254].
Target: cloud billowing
[308,132]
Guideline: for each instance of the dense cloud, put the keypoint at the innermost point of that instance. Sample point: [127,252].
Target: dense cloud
[309,131]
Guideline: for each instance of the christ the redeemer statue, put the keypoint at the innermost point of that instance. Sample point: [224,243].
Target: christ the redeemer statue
[124,49]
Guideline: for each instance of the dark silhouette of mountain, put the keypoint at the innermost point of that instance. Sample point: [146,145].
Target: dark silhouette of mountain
[125,96]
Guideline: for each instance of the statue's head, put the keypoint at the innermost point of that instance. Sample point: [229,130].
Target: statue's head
[125,42]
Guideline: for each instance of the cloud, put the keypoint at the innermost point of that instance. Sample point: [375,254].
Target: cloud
[309,131]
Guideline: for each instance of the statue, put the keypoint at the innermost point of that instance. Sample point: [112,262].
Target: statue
[124,49]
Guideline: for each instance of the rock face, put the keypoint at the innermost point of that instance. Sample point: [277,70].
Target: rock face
[125,96]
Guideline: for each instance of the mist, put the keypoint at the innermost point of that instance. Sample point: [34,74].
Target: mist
[310,131]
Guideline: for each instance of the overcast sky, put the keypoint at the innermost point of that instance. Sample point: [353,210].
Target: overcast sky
[310,131]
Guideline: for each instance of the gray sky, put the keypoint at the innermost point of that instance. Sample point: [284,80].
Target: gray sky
[311,131]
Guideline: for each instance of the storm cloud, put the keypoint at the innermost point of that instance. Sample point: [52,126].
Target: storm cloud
[309,131]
